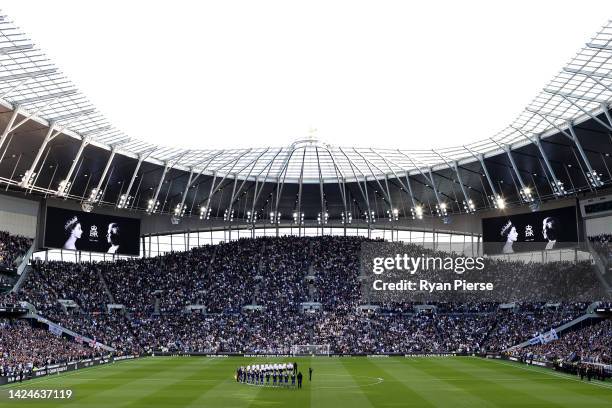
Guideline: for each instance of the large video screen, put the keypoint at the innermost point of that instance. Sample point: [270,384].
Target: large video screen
[535,231]
[82,231]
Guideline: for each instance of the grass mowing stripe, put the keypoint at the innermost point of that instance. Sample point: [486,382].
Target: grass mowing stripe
[181,385]
[334,373]
[547,385]
[394,391]
[441,391]
[125,386]
[197,382]
[569,377]
[512,392]
[226,392]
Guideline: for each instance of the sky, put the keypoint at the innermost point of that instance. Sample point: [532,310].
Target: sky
[397,74]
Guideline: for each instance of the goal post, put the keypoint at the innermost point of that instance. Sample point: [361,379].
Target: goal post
[310,350]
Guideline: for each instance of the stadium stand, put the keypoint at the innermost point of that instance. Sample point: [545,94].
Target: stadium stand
[221,277]
[12,247]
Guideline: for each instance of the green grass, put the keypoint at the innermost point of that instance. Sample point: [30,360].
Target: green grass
[337,382]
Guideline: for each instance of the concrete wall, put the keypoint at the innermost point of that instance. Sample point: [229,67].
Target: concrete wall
[18,215]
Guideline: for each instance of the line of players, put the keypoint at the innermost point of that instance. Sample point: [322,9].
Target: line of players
[274,375]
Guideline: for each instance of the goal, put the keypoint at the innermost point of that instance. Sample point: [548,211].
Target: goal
[310,350]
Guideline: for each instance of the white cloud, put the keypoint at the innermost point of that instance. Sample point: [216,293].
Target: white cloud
[244,73]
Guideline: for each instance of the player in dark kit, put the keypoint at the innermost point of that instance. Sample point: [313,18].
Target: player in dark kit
[293,379]
[299,378]
[309,373]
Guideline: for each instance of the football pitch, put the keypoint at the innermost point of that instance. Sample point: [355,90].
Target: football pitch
[352,382]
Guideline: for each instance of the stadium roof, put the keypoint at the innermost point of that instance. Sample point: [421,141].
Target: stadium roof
[54,142]
[30,82]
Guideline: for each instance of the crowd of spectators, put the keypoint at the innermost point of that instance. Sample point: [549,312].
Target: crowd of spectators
[24,347]
[602,243]
[276,275]
[12,248]
[592,343]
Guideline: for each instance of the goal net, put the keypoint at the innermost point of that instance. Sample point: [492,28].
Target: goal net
[310,349]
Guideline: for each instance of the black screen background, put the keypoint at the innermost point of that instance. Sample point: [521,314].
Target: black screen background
[55,235]
[567,232]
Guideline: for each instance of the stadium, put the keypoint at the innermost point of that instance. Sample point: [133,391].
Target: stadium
[306,274]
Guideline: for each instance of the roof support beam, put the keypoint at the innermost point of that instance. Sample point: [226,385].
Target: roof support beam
[604,107]
[468,204]
[592,176]
[64,185]
[384,190]
[569,97]
[124,199]
[430,179]
[299,218]
[591,75]
[556,185]
[263,183]
[364,194]
[514,167]
[96,193]
[28,175]
[279,187]
[323,216]
[433,186]
[599,46]
[252,164]
[498,200]
[52,96]
[9,126]
[153,204]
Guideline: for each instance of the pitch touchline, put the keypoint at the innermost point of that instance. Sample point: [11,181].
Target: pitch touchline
[567,377]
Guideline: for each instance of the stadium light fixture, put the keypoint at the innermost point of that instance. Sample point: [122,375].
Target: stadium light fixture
[469,206]
[322,218]
[347,217]
[275,217]
[442,210]
[228,215]
[95,195]
[393,214]
[63,188]
[417,212]
[526,194]
[558,188]
[594,179]
[251,216]
[152,206]
[124,201]
[28,179]
[179,210]
[498,201]
[205,212]
[370,217]
[298,218]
